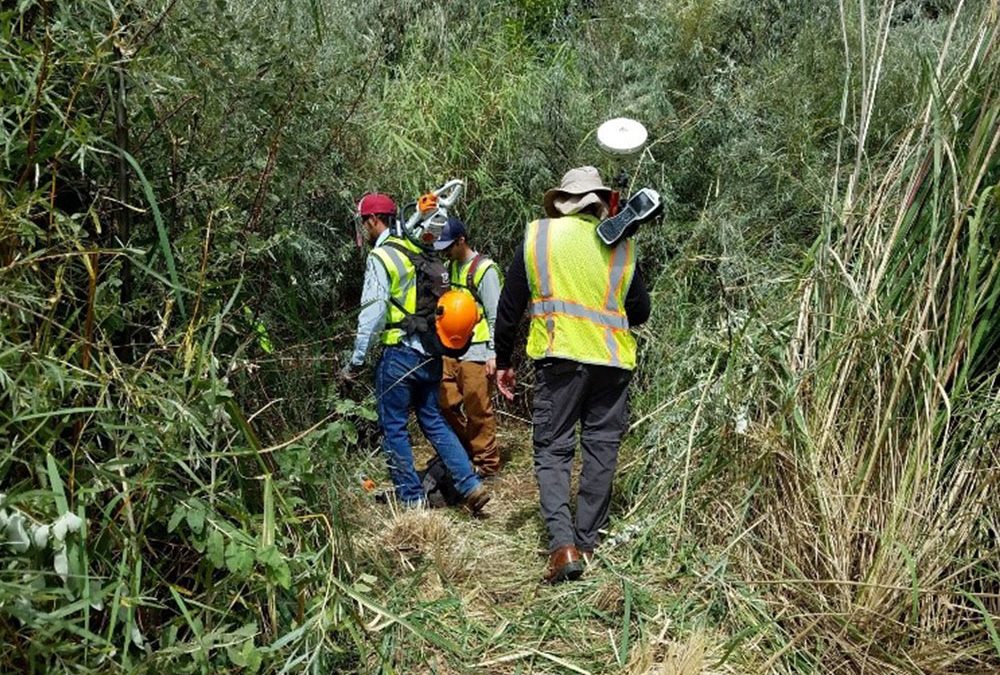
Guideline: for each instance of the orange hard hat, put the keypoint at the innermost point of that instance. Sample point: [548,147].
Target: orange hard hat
[457,316]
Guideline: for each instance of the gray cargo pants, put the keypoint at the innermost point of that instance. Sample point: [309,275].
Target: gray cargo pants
[567,393]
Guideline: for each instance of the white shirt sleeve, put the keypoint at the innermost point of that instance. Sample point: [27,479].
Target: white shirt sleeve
[374,303]
[489,293]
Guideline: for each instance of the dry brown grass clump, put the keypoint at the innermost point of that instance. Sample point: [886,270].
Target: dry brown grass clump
[692,654]
[413,537]
[415,532]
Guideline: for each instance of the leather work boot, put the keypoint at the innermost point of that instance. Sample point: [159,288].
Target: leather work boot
[487,477]
[564,565]
[477,499]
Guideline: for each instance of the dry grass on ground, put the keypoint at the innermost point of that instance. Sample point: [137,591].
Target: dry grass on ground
[476,581]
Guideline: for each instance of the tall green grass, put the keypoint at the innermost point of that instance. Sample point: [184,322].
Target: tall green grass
[854,518]
[893,417]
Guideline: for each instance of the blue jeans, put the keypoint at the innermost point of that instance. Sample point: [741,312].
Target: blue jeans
[405,378]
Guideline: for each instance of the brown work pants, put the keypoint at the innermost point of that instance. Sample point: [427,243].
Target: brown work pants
[467,405]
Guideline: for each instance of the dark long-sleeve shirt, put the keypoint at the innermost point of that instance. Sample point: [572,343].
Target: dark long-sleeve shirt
[516,295]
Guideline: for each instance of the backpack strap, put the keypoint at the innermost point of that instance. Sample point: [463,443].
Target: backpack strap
[421,318]
[471,274]
[411,256]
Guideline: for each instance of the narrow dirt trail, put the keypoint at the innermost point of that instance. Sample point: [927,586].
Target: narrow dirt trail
[474,583]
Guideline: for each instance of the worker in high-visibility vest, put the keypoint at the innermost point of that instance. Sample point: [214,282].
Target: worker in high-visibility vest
[406,376]
[583,297]
[465,386]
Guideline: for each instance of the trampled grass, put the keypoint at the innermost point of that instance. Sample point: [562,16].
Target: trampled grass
[476,584]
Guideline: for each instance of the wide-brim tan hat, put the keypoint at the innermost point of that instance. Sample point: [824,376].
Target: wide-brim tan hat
[580,187]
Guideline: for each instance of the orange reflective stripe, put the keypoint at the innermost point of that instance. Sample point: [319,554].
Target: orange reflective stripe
[543,266]
[616,276]
[612,344]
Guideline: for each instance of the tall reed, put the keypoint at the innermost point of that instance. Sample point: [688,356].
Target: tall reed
[875,532]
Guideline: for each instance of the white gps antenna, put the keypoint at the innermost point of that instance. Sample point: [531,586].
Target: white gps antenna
[621,136]
[624,136]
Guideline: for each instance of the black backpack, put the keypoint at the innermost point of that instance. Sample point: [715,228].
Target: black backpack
[432,282]
[438,484]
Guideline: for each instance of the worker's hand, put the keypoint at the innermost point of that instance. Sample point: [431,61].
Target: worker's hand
[350,372]
[491,367]
[506,382]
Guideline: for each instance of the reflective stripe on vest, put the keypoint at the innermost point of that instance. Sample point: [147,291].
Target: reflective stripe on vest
[578,308]
[459,279]
[402,287]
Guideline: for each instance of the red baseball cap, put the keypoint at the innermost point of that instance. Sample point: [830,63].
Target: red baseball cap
[376,204]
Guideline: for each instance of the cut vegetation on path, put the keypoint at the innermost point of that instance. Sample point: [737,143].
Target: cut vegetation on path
[475,583]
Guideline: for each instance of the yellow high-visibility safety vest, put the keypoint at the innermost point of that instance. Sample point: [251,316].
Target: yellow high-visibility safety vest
[402,286]
[578,286]
[459,273]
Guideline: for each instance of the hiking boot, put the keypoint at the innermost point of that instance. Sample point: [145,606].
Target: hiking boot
[477,499]
[564,565]
[487,477]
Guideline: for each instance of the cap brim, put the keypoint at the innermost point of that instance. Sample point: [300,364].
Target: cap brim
[442,244]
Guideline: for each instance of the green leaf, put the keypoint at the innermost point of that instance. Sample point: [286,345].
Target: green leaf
[247,630]
[251,657]
[216,549]
[239,559]
[276,567]
[61,411]
[193,622]
[991,628]
[179,511]
[160,229]
[365,583]
[623,648]
[56,483]
[335,432]
[267,533]
[196,520]
[246,656]
[236,657]
[281,574]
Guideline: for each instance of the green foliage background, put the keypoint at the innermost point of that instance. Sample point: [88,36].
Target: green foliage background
[178,279]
